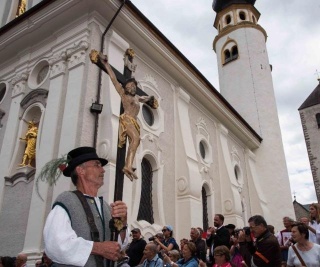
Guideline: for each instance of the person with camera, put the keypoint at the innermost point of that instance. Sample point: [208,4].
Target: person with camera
[136,247]
[265,250]
[169,243]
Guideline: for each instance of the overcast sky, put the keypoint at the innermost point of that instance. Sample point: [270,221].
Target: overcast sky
[293,45]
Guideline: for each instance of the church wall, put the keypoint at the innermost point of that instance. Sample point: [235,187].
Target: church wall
[14,218]
[4,107]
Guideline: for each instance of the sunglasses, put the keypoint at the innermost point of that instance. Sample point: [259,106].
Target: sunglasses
[163,230]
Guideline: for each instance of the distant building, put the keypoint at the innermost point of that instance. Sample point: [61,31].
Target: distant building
[301,210]
[310,120]
[201,152]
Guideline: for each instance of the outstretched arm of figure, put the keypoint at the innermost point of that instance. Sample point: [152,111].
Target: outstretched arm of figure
[150,101]
[101,61]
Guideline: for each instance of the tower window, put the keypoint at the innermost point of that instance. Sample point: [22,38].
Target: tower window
[227,56]
[147,115]
[228,19]
[231,54]
[234,52]
[318,119]
[242,15]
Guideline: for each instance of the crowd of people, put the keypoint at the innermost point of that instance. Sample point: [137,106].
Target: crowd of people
[76,233]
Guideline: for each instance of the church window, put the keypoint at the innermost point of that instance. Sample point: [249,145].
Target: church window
[234,52]
[242,15]
[228,19]
[227,56]
[204,209]
[42,74]
[145,208]
[3,90]
[318,119]
[202,148]
[148,115]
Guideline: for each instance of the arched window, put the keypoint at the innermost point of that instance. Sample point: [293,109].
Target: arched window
[234,52]
[204,209]
[242,15]
[146,208]
[228,19]
[318,119]
[227,56]
[254,20]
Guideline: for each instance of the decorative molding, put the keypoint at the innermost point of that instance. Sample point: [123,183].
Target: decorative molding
[77,54]
[37,95]
[183,185]
[150,79]
[58,64]
[19,84]
[25,174]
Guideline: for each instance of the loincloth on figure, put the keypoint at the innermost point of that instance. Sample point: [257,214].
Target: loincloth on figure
[125,120]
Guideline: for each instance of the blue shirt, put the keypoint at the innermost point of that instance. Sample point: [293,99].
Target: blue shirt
[155,262]
[193,262]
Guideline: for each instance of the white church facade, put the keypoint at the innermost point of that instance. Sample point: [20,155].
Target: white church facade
[206,152]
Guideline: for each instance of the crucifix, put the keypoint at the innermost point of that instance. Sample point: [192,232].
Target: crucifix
[130,95]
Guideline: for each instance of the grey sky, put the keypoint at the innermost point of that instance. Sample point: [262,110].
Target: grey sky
[294,51]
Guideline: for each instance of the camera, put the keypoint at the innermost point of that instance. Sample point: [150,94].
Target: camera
[152,238]
[246,230]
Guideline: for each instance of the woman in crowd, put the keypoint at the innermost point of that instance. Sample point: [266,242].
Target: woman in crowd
[169,243]
[314,224]
[188,259]
[221,256]
[309,252]
[174,255]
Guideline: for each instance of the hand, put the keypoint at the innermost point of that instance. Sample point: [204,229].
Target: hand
[107,249]
[119,210]
[212,230]
[166,258]
[202,264]
[241,236]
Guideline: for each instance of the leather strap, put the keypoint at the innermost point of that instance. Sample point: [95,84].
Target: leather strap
[93,228]
[261,256]
[298,255]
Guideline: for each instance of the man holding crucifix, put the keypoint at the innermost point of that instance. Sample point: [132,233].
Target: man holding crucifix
[128,120]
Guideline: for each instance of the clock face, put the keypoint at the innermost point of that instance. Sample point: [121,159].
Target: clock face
[42,74]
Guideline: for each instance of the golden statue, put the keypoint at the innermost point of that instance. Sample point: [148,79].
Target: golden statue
[31,141]
[21,7]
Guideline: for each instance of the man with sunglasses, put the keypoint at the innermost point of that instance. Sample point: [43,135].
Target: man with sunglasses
[71,238]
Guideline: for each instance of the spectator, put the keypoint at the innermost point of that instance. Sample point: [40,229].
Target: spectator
[266,249]
[271,229]
[199,242]
[136,248]
[47,261]
[174,255]
[21,260]
[188,259]
[151,257]
[38,263]
[218,236]
[284,237]
[309,252]
[304,220]
[169,242]
[314,224]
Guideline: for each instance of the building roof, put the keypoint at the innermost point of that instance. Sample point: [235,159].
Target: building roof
[218,5]
[313,99]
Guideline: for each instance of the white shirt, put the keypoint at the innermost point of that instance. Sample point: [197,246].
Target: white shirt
[310,257]
[62,244]
[314,238]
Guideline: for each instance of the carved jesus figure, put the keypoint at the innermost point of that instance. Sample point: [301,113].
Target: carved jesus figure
[129,126]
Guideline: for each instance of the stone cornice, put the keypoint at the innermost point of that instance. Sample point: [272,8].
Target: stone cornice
[37,95]
[230,29]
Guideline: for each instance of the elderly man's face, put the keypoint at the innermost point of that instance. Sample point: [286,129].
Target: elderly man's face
[93,172]
[148,252]
[194,235]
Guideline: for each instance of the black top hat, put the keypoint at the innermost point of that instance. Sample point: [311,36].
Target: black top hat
[80,155]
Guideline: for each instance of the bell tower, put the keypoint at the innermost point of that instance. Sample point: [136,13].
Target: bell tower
[245,81]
